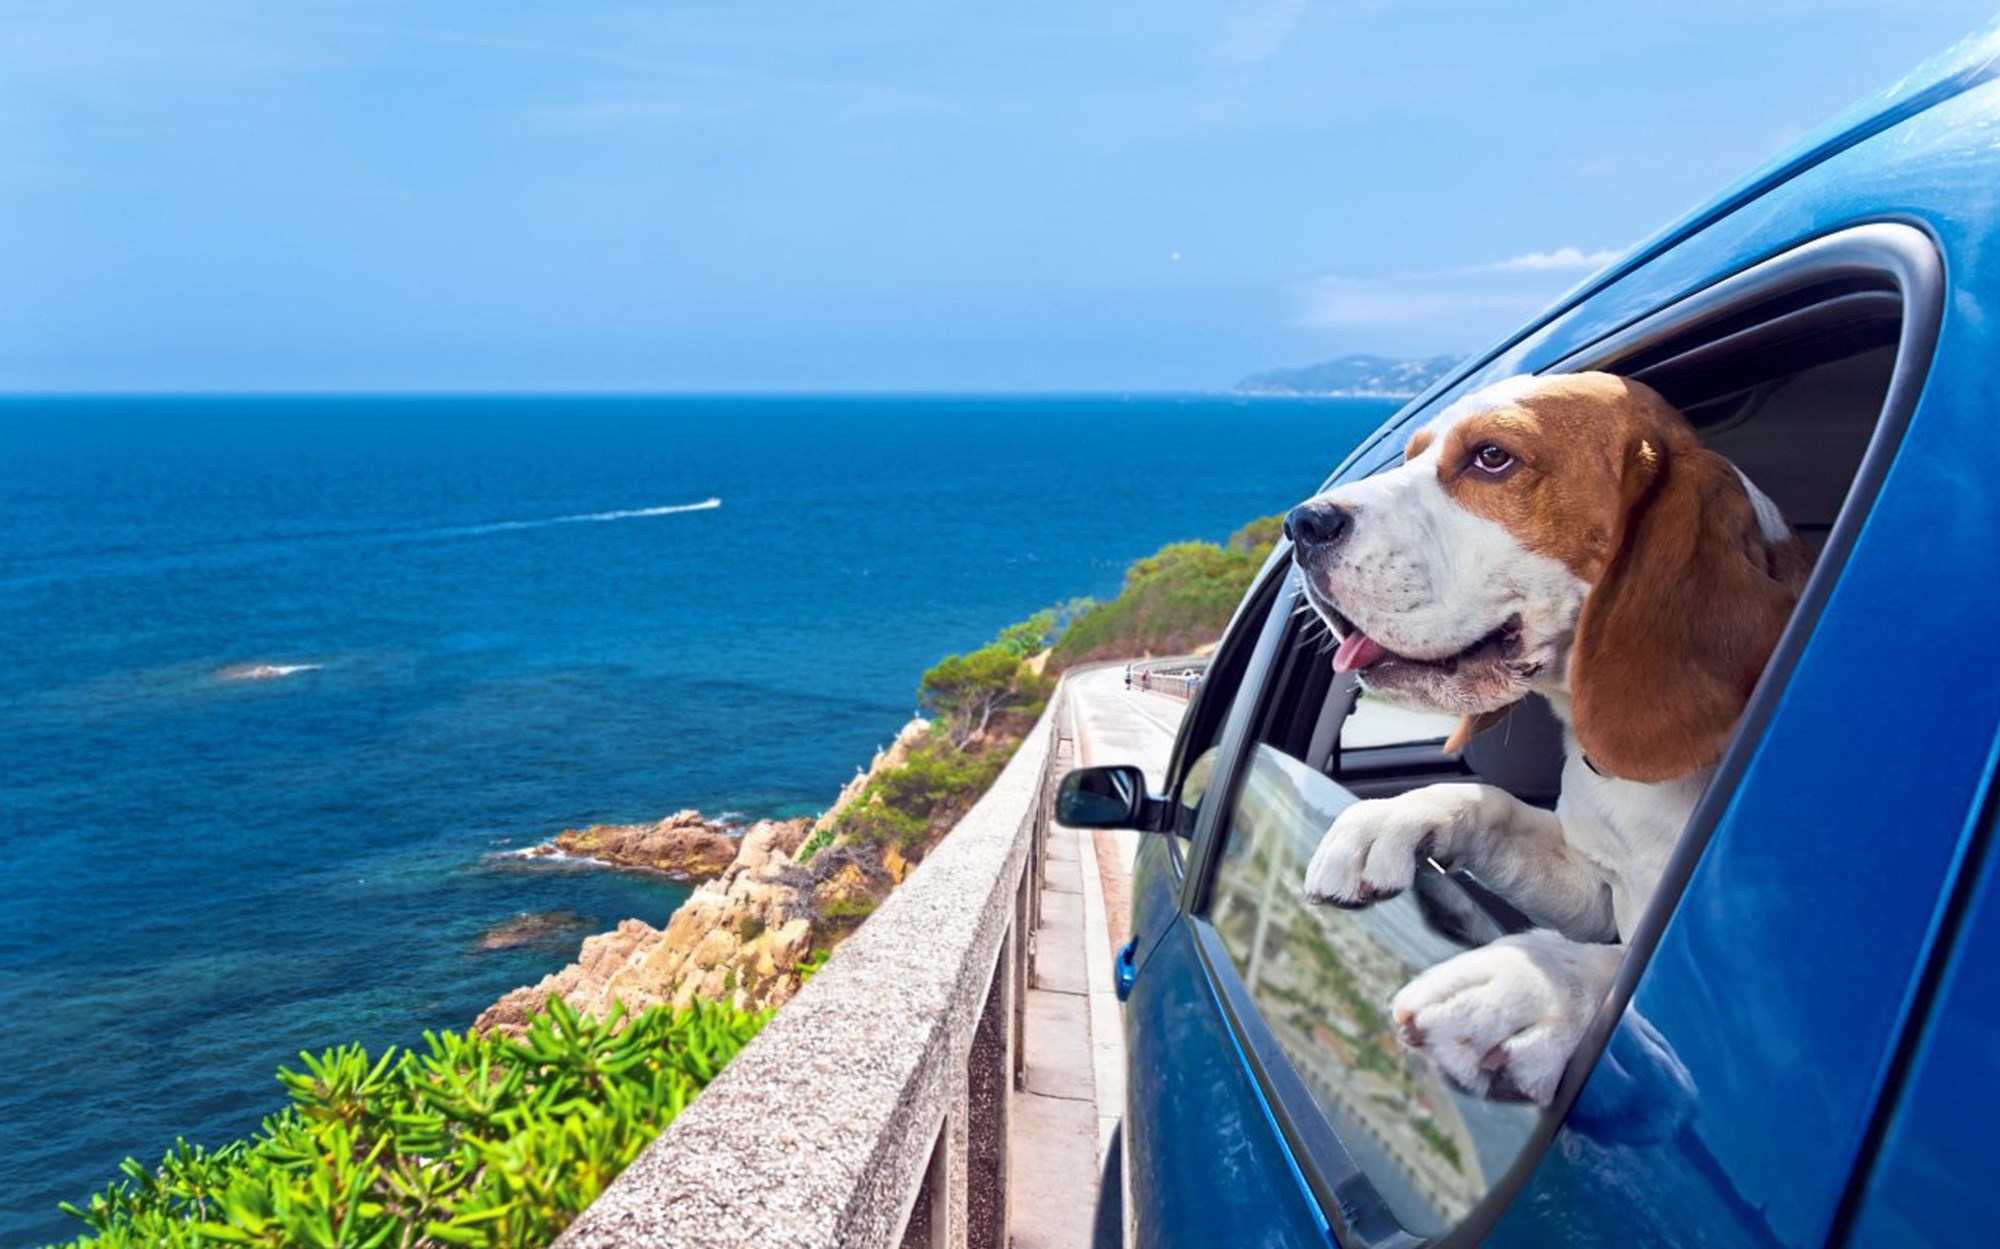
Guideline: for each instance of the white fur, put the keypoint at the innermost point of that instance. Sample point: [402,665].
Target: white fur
[1770,521]
[1510,1011]
[1427,578]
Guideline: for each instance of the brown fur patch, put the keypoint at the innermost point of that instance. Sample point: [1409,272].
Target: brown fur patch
[1687,598]
[1583,447]
[1683,618]
[1419,441]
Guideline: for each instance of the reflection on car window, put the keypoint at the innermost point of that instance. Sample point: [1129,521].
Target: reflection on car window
[1322,978]
[1193,790]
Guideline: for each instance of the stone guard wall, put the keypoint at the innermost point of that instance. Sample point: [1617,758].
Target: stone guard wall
[872,1110]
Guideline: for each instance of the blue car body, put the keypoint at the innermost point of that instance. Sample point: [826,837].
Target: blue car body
[1825,970]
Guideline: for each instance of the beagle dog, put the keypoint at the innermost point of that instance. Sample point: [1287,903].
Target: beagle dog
[1567,536]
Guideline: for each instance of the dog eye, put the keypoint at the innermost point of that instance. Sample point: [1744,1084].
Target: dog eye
[1490,458]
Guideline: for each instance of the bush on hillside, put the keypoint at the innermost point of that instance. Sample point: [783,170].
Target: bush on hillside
[905,805]
[1032,636]
[1173,601]
[981,702]
[964,692]
[473,1141]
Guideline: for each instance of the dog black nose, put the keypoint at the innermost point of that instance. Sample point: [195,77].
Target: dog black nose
[1315,524]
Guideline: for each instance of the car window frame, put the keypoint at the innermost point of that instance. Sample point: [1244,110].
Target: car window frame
[1273,593]
[1215,695]
[1900,251]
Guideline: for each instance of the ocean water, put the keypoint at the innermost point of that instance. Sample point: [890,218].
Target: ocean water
[485,620]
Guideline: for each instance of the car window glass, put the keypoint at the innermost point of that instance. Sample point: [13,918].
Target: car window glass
[1321,977]
[1193,789]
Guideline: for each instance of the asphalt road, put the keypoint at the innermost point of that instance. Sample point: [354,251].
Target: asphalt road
[1117,725]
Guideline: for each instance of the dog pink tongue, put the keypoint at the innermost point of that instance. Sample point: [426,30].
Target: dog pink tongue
[1357,650]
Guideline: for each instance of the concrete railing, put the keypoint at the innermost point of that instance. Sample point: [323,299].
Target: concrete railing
[872,1110]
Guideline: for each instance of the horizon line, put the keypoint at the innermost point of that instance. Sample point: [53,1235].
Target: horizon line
[526,393]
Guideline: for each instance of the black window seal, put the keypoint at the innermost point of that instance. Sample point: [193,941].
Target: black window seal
[1906,254]
[1253,611]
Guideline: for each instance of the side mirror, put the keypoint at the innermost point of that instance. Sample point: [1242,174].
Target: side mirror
[1108,797]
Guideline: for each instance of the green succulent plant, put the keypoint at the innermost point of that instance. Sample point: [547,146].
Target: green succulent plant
[472,1140]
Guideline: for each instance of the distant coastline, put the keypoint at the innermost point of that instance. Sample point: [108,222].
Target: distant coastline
[1352,377]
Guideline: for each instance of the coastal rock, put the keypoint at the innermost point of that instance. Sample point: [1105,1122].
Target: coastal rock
[716,945]
[527,929]
[745,933]
[580,983]
[894,755]
[789,944]
[684,845]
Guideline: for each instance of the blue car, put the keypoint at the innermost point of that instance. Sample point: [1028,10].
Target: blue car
[1803,1045]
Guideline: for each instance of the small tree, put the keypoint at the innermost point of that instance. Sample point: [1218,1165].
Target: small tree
[1031,637]
[964,691]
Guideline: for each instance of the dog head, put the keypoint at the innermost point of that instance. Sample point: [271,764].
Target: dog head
[1568,534]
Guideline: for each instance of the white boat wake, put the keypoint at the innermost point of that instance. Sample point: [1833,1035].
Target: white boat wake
[587,518]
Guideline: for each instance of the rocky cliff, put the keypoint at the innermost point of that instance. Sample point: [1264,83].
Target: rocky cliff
[750,935]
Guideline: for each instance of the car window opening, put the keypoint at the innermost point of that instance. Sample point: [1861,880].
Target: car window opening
[1790,388]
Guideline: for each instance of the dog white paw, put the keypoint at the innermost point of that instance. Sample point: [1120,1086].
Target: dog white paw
[1503,1019]
[1371,851]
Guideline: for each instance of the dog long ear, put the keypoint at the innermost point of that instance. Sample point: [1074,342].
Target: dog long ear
[1675,634]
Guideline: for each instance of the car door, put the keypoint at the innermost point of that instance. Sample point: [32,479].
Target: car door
[1726,1095]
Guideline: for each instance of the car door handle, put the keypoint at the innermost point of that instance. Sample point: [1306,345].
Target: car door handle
[1127,969]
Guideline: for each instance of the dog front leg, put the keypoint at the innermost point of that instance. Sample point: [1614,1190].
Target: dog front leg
[1519,850]
[1505,1018]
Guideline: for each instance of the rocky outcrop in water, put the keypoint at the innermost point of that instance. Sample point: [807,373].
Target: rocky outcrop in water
[684,845]
[528,929]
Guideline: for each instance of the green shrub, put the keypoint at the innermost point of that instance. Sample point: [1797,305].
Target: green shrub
[1031,637]
[851,908]
[473,1141]
[1176,599]
[814,844]
[928,791]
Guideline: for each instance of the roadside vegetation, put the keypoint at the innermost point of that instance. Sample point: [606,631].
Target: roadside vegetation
[472,1140]
[1173,601]
[981,704]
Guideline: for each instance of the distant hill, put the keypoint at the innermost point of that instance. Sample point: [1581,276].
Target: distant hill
[1370,377]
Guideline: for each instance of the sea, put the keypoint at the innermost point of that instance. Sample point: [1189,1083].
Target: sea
[286,684]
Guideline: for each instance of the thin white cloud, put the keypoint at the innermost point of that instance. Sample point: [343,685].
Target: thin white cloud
[1446,309]
[1562,259]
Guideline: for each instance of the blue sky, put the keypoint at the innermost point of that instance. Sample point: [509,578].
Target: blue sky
[848,195]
